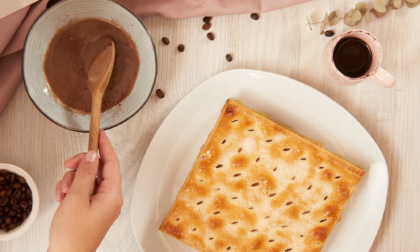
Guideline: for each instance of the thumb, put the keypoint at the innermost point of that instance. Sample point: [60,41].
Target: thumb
[86,174]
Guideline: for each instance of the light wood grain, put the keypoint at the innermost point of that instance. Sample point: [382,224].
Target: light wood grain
[279,42]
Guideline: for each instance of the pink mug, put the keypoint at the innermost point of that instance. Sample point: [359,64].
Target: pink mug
[374,72]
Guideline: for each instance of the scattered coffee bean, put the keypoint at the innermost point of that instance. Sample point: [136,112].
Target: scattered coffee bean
[181,47]
[206,26]
[207,19]
[229,57]
[255,16]
[165,40]
[210,35]
[51,3]
[15,200]
[329,33]
[160,93]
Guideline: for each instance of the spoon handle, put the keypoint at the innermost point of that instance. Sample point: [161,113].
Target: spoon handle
[95,118]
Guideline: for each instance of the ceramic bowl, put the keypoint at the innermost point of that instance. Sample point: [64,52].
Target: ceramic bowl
[19,230]
[36,45]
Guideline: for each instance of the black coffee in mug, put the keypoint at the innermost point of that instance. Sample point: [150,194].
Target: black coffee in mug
[352,57]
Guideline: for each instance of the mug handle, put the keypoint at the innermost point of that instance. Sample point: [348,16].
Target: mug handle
[384,78]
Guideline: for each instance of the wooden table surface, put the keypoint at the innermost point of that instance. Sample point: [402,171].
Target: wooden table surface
[279,42]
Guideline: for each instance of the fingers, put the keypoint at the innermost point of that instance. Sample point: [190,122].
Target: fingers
[106,150]
[111,167]
[64,185]
[85,175]
[67,181]
[74,162]
[82,180]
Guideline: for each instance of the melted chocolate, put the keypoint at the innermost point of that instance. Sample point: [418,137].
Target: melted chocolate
[68,57]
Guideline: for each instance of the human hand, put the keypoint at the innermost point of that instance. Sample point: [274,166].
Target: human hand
[82,221]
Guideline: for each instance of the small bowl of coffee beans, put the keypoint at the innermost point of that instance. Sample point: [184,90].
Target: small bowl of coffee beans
[19,201]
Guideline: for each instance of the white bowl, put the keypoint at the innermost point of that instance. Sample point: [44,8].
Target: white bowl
[12,234]
[36,45]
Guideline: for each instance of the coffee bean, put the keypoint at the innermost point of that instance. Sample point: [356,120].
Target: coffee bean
[21,179]
[17,185]
[329,33]
[24,204]
[8,220]
[160,93]
[207,19]
[206,26]
[12,213]
[255,16]
[51,3]
[181,47]
[12,226]
[229,57]
[4,201]
[17,194]
[165,40]
[210,35]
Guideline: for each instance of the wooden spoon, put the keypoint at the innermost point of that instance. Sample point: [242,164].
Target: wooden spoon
[98,77]
[99,71]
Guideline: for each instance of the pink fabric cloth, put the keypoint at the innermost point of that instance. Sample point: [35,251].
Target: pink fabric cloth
[15,27]
[194,8]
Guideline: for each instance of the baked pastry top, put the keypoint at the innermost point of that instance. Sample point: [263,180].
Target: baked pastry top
[257,186]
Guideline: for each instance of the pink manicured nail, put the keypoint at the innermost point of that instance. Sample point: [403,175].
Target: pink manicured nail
[91,156]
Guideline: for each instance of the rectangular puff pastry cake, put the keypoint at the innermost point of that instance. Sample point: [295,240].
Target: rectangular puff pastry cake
[257,186]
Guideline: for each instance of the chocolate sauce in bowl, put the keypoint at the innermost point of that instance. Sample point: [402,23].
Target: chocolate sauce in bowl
[70,50]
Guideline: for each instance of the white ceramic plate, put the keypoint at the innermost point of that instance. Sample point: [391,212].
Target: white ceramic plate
[36,46]
[175,146]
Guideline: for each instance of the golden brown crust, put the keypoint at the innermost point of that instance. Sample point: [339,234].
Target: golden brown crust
[257,186]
